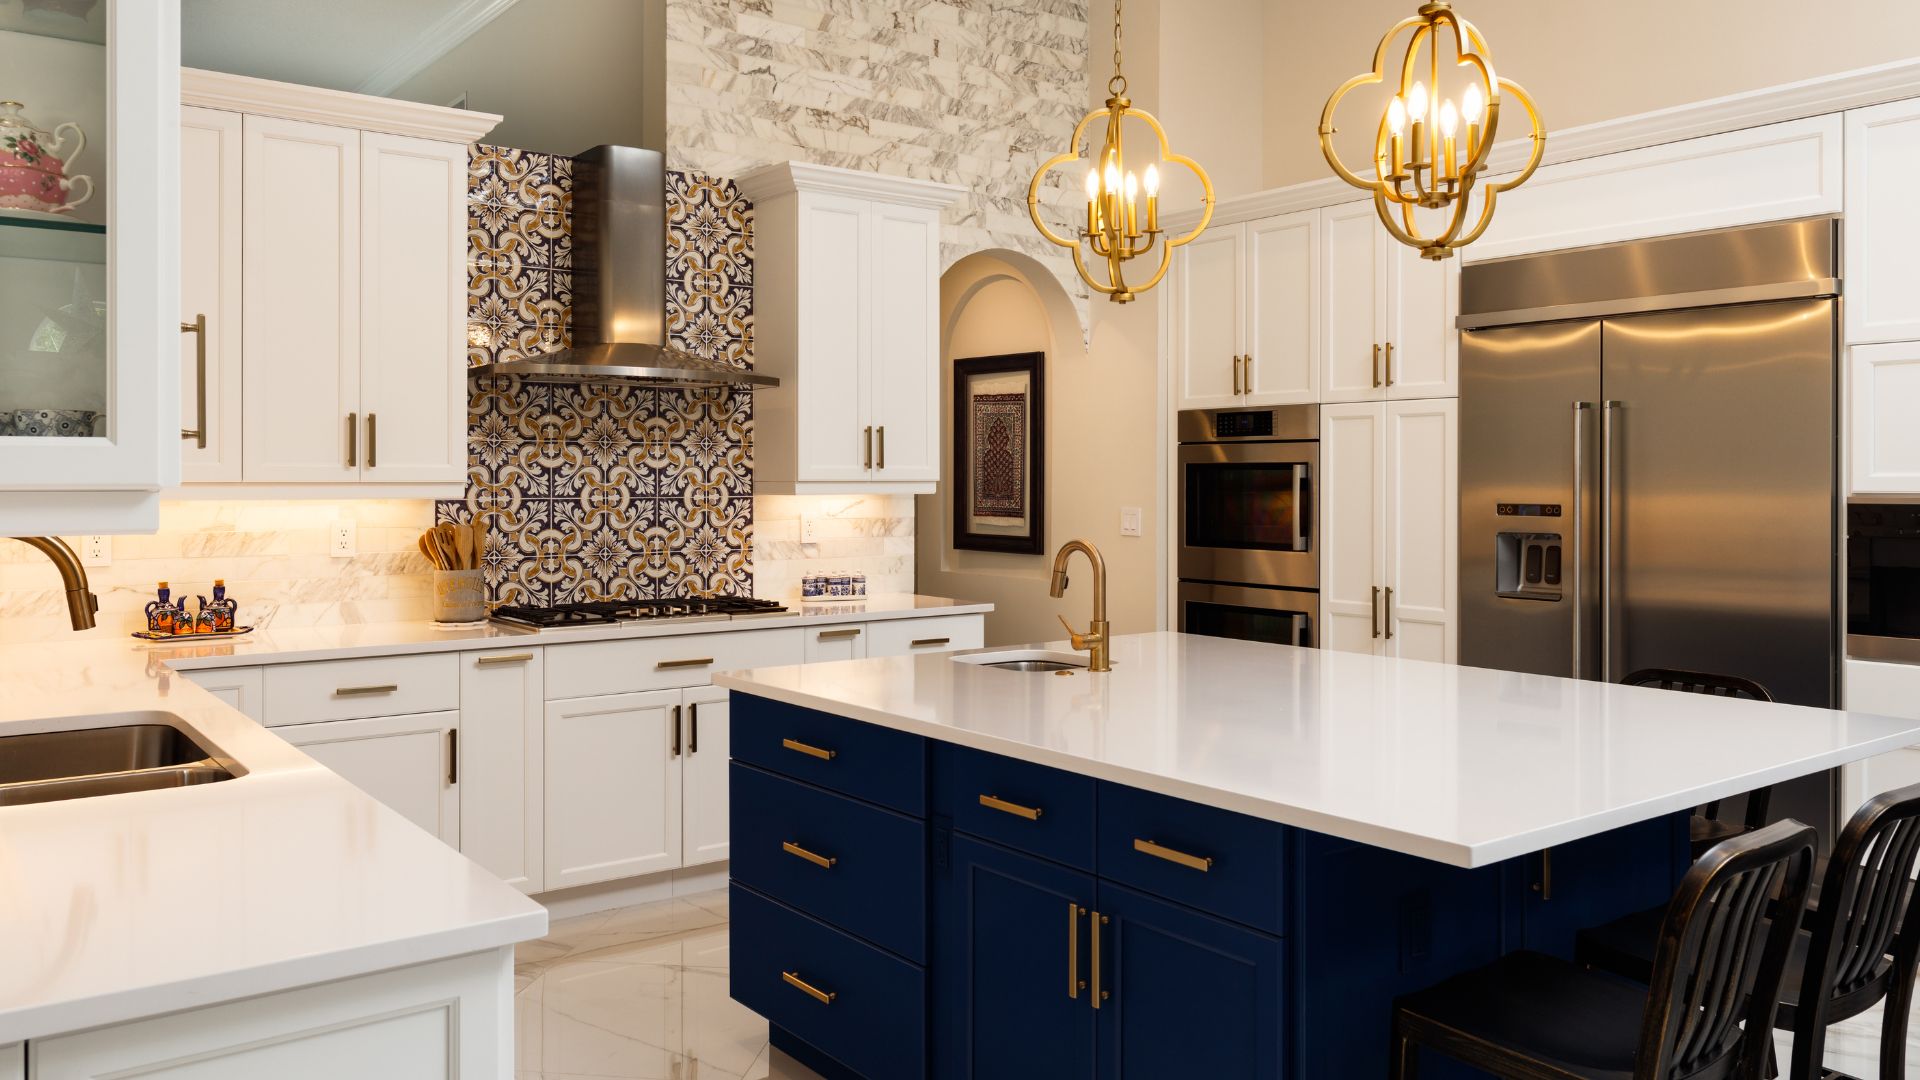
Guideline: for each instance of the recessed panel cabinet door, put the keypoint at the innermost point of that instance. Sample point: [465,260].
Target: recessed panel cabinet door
[1283,310]
[1884,448]
[1423,514]
[413,376]
[501,767]
[210,195]
[1882,156]
[1209,305]
[1353,287]
[708,729]
[835,269]
[1423,362]
[301,302]
[1353,522]
[405,762]
[906,332]
[612,787]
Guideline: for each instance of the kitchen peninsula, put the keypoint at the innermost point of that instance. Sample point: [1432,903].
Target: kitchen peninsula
[1222,858]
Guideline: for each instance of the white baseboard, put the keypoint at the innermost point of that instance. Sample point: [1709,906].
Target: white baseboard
[608,895]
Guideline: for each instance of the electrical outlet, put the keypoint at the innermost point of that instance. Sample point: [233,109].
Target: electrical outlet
[1129,521]
[808,532]
[96,551]
[341,540]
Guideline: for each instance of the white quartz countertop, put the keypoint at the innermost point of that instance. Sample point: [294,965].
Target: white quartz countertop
[1462,765]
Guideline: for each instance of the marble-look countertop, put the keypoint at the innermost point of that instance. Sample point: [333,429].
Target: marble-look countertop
[1461,765]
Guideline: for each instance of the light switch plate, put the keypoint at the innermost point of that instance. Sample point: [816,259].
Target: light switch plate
[96,551]
[342,540]
[1129,521]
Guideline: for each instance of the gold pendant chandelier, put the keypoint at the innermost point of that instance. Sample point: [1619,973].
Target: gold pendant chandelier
[1422,160]
[1117,231]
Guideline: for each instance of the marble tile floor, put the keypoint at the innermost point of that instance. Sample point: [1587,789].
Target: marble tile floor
[641,994]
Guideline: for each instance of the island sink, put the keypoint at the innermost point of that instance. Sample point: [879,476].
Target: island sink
[1029,660]
[143,754]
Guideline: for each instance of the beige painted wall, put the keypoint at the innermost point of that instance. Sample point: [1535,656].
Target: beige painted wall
[1582,64]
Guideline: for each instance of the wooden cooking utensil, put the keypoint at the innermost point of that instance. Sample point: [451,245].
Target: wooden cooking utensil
[463,545]
[449,550]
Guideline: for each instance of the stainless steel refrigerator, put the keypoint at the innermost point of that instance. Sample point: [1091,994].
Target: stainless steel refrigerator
[1648,462]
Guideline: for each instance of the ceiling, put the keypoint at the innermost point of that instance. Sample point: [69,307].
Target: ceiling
[366,46]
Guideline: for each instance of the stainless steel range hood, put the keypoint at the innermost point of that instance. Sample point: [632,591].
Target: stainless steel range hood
[620,285]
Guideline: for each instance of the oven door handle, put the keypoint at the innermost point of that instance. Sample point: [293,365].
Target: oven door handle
[1300,518]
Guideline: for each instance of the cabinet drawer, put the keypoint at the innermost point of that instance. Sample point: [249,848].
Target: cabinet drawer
[1160,844]
[875,1022]
[1031,808]
[898,637]
[355,689]
[598,668]
[865,761]
[876,885]
[841,641]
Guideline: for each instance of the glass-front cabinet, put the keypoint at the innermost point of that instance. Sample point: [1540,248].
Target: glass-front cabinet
[90,334]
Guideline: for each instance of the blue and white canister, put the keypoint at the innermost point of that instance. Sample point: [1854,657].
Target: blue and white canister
[859,586]
[813,587]
[840,586]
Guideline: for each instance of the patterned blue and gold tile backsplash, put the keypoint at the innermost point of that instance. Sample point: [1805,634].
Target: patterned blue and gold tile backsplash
[595,491]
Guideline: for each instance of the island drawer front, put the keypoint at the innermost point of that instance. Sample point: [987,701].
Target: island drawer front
[876,887]
[360,689]
[876,1023]
[941,633]
[630,665]
[1244,880]
[1014,791]
[863,760]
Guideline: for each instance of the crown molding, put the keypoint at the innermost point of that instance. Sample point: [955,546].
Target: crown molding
[1894,81]
[290,101]
[434,42]
[788,177]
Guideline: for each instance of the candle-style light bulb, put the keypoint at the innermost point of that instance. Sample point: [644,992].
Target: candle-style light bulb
[1417,103]
[1133,218]
[1449,118]
[1153,199]
[1113,178]
[1152,181]
[1093,184]
[1397,116]
[1093,202]
[1472,104]
[1449,155]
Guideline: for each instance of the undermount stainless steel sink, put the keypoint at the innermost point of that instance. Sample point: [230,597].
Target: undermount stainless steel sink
[1035,665]
[1030,660]
[48,766]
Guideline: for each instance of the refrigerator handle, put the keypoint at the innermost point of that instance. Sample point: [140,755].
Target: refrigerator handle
[1607,409]
[1580,410]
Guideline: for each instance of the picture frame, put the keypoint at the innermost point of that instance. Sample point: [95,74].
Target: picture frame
[999,453]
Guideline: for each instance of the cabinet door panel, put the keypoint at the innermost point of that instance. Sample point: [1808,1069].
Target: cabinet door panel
[1283,316]
[301,300]
[709,721]
[1353,280]
[906,343]
[1353,521]
[210,200]
[400,760]
[1882,153]
[1884,441]
[501,769]
[835,268]
[1422,491]
[413,301]
[1192,995]
[827,643]
[1209,310]
[612,788]
[1001,974]
[1423,366]
[240,688]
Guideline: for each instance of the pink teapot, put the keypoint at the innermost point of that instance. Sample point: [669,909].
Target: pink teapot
[33,169]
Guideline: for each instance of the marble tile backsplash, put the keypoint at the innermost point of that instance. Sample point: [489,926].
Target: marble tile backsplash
[869,533]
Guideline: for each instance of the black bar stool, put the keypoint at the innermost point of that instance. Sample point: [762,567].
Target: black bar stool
[1858,945]
[1706,828]
[1708,1014]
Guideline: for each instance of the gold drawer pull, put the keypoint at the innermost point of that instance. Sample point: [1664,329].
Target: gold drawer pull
[995,802]
[1192,862]
[508,658]
[838,635]
[364,691]
[821,861]
[928,642]
[811,751]
[668,665]
[793,979]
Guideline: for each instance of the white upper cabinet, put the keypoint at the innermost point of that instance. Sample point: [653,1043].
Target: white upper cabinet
[847,301]
[89,280]
[1883,217]
[1208,301]
[1245,316]
[326,245]
[1385,331]
[1884,442]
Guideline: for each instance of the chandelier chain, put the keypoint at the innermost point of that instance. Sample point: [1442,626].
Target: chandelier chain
[1117,85]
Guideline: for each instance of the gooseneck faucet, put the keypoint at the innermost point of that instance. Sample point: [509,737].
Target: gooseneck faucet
[1096,640]
[81,603]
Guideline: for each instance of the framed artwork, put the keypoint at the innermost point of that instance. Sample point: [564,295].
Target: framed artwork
[999,453]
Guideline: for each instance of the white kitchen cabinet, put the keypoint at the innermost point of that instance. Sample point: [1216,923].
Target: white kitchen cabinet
[89,304]
[450,1020]
[941,633]
[210,289]
[241,688]
[704,828]
[502,768]
[1883,441]
[846,298]
[1384,328]
[613,784]
[409,763]
[1246,316]
[1388,488]
[13,1062]
[828,643]
[1889,689]
[1882,156]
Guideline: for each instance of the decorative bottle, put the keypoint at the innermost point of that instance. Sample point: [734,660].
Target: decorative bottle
[225,611]
[162,616]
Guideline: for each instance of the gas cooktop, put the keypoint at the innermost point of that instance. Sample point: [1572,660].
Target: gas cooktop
[610,612]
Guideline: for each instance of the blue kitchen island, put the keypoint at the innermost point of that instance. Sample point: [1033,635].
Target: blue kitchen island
[1220,859]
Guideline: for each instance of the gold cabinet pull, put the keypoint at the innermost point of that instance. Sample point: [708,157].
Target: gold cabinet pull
[1545,885]
[1099,991]
[373,440]
[995,802]
[1074,911]
[822,861]
[353,440]
[868,463]
[453,756]
[837,635]
[676,731]
[1373,611]
[364,691]
[929,642]
[1236,376]
[198,432]
[1247,379]
[693,728]
[1376,365]
[669,665]
[882,463]
[1159,851]
[793,979]
[811,751]
[1388,620]
[503,658]
[1389,363]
